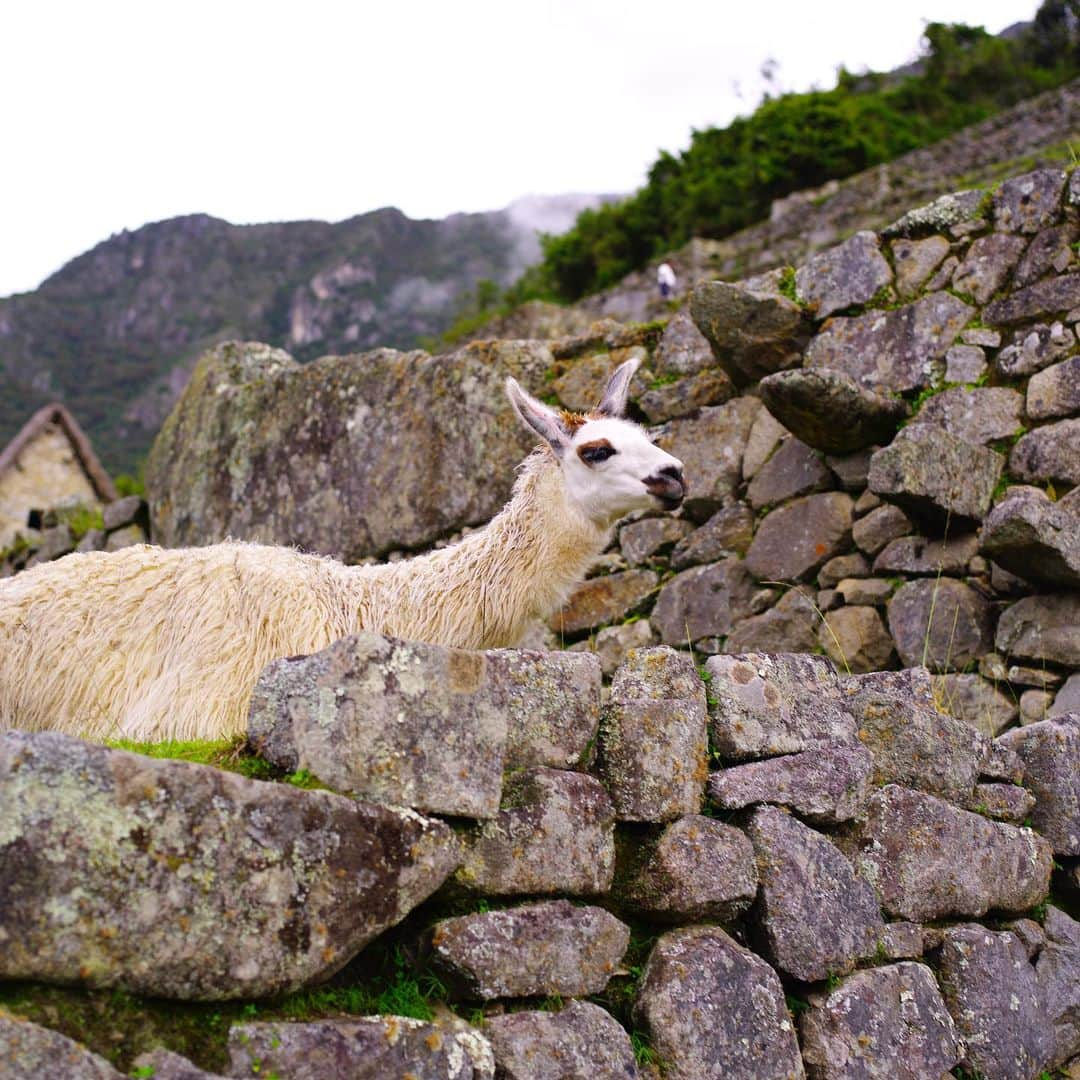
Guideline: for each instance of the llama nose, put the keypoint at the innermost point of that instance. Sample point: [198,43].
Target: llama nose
[667,485]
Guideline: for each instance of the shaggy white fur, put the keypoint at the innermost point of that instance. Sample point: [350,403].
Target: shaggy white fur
[152,644]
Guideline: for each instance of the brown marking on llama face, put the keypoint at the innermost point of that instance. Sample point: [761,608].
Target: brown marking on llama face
[592,452]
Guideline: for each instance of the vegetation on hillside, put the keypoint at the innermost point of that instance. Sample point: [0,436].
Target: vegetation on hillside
[728,177]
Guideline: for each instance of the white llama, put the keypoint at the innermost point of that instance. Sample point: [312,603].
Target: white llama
[151,644]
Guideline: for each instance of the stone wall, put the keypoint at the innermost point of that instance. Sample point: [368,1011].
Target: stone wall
[74,527]
[760,869]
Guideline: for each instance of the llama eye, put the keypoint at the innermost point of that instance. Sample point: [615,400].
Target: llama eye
[593,455]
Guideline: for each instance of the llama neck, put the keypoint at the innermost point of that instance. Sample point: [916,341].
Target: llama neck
[482,592]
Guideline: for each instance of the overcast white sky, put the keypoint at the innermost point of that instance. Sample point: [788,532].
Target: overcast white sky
[118,113]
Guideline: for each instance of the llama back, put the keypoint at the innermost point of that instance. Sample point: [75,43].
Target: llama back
[149,643]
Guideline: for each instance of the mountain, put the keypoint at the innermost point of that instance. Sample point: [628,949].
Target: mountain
[115,332]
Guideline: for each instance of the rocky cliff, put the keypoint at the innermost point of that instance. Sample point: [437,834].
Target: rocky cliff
[114,334]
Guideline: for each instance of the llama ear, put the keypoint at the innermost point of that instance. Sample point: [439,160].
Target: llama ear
[536,415]
[613,403]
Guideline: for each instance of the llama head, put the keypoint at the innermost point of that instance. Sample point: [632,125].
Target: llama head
[610,465]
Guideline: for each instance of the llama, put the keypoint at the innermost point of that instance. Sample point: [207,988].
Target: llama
[152,644]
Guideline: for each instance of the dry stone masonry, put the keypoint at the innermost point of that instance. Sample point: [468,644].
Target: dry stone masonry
[799,796]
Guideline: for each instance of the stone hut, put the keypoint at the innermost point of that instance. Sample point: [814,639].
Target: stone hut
[49,462]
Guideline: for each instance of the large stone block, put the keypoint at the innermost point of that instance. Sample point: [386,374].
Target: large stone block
[580,1040]
[1042,628]
[936,477]
[752,333]
[182,881]
[31,1052]
[1035,538]
[1049,454]
[990,989]
[1050,751]
[818,918]
[534,950]
[704,601]
[653,753]
[315,454]
[892,350]
[830,411]
[848,274]
[761,705]
[419,725]
[940,623]
[715,1011]
[886,1022]
[555,834]
[697,870]
[371,1046]
[794,540]
[928,859]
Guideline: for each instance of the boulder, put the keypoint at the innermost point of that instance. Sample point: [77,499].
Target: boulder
[936,477]
[1028,203]
[1058,974]
[1050,249]
[710,446]
[927,859]
[987,265]
[855,639]
[955,209]
[1033,349]
[964,364]
[829,410]
[976,701]
[1048,454]
[653,749]
[418,725]
[1039,301]
[1068,697]
[752,333]
[886,1022]
[850,273]
[579,1042]
[879,527]
[613,643]
[762,705]
[728,532]
[915,261]
[979,415]
[891,351]
[990,989]
[31,1052]
[827,784]
[794,540]
[941,623]
[696,870]
[555,834]
[793,470]
[715,1011]
[1033,537]
[640,541]
[116,849]
[534,950]
[316,452]
[704,601]
[1042,629]
[765,435]
[1003,802]
[918,746]
[818,918]
[602,600]
[927,556]
[371,1046]
[788,626]
[666,401]
[852,565]
[1050,751]
[682,349]
[1055,391]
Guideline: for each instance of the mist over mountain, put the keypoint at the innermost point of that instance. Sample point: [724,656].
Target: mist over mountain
[114,333]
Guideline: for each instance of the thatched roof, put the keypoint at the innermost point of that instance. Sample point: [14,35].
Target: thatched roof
[57,414]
